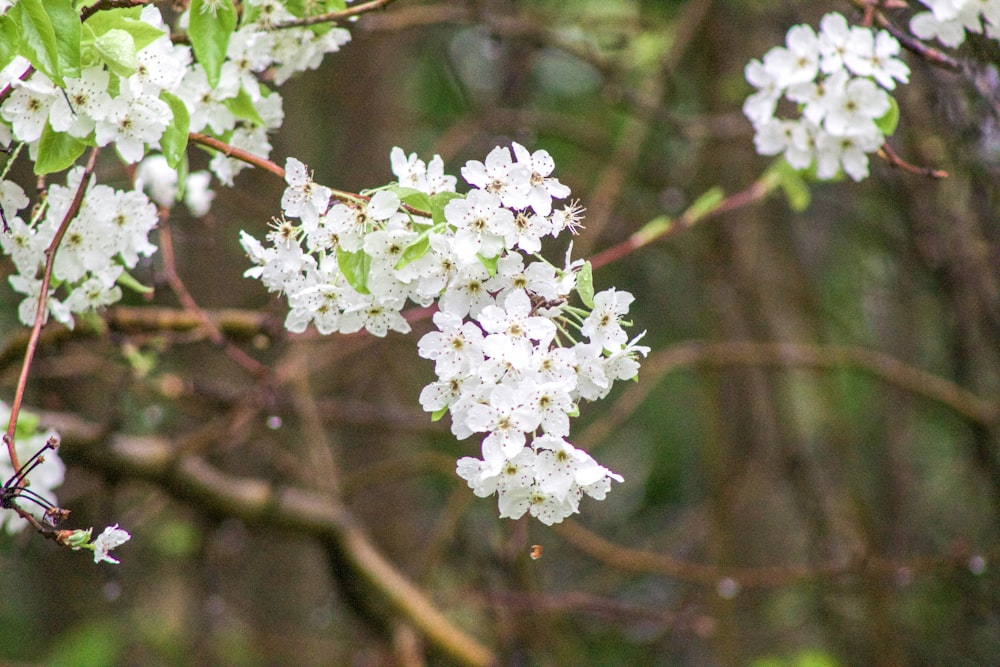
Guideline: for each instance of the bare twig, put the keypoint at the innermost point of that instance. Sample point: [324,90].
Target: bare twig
[332,17]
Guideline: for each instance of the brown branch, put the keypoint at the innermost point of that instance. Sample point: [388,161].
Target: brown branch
[755,192]
[42,310]
[192,479]
[102,5]
[237,153]
[894,160]
[190,305]
[729,580]
[787,355]
[331,17]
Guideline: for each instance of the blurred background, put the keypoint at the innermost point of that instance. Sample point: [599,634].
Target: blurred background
[811,455]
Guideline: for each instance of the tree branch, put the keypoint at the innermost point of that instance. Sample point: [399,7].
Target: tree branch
[193,480]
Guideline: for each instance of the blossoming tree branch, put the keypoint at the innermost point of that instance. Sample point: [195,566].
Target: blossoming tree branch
[521,340]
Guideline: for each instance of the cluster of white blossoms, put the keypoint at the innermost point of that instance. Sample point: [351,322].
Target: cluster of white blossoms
[128,96]
[106,237]
[512,356]
[948,21]
[836,82]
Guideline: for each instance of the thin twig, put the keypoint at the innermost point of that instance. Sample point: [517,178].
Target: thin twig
[332,17]
[190,305]
[42,310]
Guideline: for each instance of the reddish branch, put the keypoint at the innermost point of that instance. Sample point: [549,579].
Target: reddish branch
[42,310]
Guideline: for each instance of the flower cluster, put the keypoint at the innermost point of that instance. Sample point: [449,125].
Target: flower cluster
[42,472]
[135,87]
[106,237]
[948,21]
[512,356]
[837,81]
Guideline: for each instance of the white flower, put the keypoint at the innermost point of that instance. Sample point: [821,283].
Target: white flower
[90,102]
[856,108]
[456,349]
[480,224]
[799,62]
[112,537]
[198,196]
[158,179]
[512,328]
[504,419]
[760,106]
[133,120]
[541,189]
[413,173]
[500,176]
[603,325]
[27,108]
[303,198]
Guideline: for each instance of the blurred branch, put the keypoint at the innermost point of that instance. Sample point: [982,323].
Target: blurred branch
[180,290]
[729,580]
[194,480]
[798,355]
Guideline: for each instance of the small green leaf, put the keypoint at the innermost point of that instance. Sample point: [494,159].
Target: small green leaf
[438,202]
[490,263]
[355,267]
[127,19]
[585,284]
[173,143]
[890,119]
[412,197]
[57,151]
[438,414]
[705,204]
[792,184]
[211,26]
[9,40]
[38,37]
[117,49]
[415,250]
[126,279]
[243,107]
[66,25]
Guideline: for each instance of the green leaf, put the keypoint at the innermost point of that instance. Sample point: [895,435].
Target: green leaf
[57,151]
[490,263]
[242,107]
[355,267]
[127,19]
[585,284]
[66,23]
[117,49]
[791,182]
[705,204]
[38,37]
[126,279]
[173,143]
[415,250]
[211,25]
[890,119]
[9,40]
[438,202]
[438,414]
[412,197]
